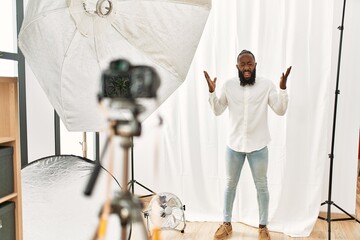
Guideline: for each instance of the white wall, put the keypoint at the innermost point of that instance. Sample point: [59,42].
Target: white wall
[8,37]
[40,120]
[40,124]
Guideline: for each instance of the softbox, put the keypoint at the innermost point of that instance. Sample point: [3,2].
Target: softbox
[68,43]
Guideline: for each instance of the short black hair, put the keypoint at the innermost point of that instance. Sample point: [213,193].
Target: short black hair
[245,52]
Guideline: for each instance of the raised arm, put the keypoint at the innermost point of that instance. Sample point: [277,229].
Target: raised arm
[279,101]
[218,105]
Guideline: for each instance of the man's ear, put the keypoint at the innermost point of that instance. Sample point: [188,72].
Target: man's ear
[237,66]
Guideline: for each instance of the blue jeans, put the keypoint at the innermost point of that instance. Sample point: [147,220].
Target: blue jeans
[258,161]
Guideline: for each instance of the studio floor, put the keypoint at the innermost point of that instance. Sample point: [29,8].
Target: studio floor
[349,230]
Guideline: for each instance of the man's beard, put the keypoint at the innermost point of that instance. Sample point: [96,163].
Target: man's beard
[250,81]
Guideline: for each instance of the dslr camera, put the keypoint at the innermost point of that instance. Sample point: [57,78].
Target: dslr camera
[124,81]
[121,84]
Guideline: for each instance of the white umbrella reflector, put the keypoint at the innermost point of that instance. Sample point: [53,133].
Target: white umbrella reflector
[69,43]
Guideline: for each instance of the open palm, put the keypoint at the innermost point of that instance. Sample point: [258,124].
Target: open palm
[284,77]
[211,83]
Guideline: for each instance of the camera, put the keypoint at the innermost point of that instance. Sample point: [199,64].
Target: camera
[121,85]
[125,81]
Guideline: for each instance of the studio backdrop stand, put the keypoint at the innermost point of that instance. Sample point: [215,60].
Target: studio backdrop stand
[329,201]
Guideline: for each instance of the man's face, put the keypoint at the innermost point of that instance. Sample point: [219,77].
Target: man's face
[246,69]
[246,65]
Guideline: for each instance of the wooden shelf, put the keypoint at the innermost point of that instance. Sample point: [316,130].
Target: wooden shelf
[4,140]
[8,197]
[9,136]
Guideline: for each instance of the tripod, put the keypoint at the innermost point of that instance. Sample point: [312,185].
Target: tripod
[126,206]
[329,202]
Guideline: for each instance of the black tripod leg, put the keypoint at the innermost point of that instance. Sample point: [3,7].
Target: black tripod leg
[131,183]
[144,187]
[343,219]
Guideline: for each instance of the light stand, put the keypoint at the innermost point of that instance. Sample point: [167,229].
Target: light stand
[132,182]
[329,201]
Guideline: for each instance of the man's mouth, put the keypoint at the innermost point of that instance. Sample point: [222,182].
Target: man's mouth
[247,74]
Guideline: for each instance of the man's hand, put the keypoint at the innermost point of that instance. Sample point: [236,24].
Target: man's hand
[284,77]
[211,83]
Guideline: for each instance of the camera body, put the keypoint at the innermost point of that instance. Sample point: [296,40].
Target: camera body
[121,84]
[125,81]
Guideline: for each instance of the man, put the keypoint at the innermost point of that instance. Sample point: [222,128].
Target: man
[247,98]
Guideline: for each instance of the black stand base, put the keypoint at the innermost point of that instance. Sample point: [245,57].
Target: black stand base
[132,188]
[329,219]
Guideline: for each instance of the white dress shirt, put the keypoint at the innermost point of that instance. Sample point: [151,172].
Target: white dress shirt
[248,107]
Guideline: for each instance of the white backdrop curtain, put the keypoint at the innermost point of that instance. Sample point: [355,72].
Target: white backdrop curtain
[186,155]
